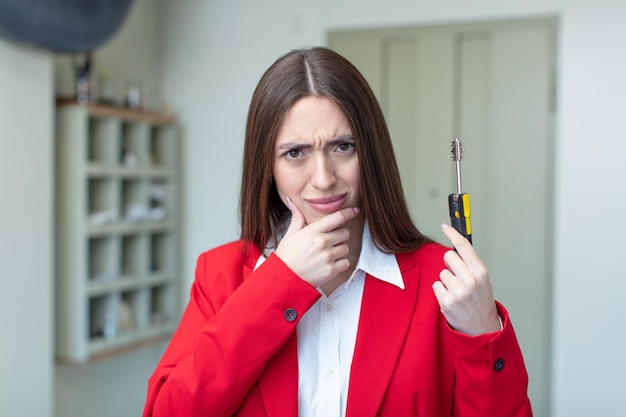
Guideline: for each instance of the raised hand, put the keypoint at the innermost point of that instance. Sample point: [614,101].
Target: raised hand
[464,293]
[317,251]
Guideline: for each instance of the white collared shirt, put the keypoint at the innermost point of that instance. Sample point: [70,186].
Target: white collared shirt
[327,334]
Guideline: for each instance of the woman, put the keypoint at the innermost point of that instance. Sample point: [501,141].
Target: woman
[333,303]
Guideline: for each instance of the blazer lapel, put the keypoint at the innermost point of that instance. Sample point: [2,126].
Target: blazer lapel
[386,313]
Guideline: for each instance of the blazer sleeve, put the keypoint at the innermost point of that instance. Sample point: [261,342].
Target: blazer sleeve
[491,378]
[231,327]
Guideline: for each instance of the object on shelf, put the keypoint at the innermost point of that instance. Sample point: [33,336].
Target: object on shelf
[125,320]
[135,213]
[83,79]
[157,196]
[100,218]
[134,95]
[129,159]
[103,321]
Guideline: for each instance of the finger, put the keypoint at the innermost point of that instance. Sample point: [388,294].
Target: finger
[458,240]
[339,251]
[454,263]
[340,265]
[332,221]
[448,279]
[459,287]
[463,247]
[459,274]
[442,294]
[333,238]
[297,221]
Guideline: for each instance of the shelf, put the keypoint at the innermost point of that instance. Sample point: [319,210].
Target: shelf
[119,113]
[129,282]
[118,230]
[95,170]
[100,349]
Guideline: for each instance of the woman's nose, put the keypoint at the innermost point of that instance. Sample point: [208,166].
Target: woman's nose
[323,175]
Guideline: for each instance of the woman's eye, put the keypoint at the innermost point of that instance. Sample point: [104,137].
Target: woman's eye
[345,147]
[293,154]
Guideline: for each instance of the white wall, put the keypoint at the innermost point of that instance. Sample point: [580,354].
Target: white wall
[25,231]
[589,340]
[214,52]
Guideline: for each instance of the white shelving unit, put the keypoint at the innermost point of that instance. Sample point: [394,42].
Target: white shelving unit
[118,230]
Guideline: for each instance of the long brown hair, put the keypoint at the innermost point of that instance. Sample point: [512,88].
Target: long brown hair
[322,72]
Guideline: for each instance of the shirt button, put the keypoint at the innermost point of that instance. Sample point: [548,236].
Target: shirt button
[330,374]
[329,307]
[498,365]
[290,314]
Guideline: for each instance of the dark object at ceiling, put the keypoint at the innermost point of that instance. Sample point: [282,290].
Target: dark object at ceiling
[64,26]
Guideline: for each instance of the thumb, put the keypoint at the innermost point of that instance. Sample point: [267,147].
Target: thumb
[297,218]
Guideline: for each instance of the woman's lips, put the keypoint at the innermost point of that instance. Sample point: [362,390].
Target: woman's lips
[327,204]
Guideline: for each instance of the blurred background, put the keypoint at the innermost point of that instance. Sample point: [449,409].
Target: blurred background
[533,88]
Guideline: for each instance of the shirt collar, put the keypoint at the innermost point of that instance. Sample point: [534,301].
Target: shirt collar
[380,265]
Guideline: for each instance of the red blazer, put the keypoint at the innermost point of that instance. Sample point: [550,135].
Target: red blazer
[235,351]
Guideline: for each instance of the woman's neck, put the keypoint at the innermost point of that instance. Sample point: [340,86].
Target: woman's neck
[355,226]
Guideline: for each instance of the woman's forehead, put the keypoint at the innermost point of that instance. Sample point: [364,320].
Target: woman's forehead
[313,117]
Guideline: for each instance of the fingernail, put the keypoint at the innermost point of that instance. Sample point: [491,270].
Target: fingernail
[288,199]
[357,210]
[444,226]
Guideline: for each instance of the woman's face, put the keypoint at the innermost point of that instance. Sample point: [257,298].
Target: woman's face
[315,160]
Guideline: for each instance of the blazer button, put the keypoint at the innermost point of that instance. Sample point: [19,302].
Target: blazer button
[290,314]
[498,365]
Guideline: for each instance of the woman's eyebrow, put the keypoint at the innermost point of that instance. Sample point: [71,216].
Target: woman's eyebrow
[304,145]
[340,139]
[292,145]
